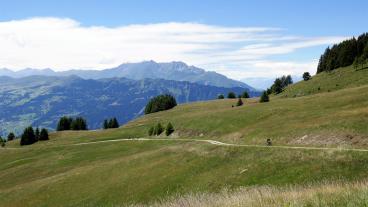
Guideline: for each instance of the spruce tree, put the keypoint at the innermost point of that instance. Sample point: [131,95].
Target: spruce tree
[264,97]
[105,124]
[169,129]
[64,123]
[245,94]
[28,137]
[160,103]
[158,129]
[114,123]
[151,131]
[240,102]
[37,133]
[2,142]
[231,95]
[221,96]
[306,76]
[44,134]
[11,136]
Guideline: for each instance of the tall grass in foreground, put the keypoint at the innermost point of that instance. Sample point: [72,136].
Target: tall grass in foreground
[329,194]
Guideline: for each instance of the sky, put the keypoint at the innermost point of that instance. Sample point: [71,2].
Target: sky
[240,39]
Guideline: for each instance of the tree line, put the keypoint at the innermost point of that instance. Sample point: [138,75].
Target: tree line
[160,103]
[69,123]
[31,136]
[232,95]
[111,123]
[354,50]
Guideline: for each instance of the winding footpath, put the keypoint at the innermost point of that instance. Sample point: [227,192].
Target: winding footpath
[214,142]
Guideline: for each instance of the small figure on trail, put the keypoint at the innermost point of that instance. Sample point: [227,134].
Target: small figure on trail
[269,142]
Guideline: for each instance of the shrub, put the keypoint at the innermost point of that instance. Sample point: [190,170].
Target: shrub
[2,142]
[11,136]
[169,129]
[44,134]
[231,95]
[264,97]
[240,102]
[160,103]
[221,96]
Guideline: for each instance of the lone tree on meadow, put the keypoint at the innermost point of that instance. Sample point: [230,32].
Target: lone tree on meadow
[264,97]
[44,135]
[231,95]
[11,136]
[160,103]
[240,102]
[169,129]
[245,94]
[28,137]
[306,76]
[221,96]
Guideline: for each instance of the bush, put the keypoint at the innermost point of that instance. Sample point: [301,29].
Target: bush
[28,137]
[240,102]
[231,95]
[264,97]
[245,94]
[11,136]
[151,131]
[2,142]
[44,134]
[160,103]
[169,129]
[221,96]
[158,129]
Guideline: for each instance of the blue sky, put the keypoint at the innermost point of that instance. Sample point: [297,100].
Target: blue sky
[309,26]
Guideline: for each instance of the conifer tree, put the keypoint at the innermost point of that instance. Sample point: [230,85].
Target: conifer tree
[221,96]
[306,76]
[11,136]
[264,97]
[169,129]
[245,94]
[28,137]
[151,131]
[44,134]
[240,102]
[158,129]
[105,124]
[37,133]
[231,95]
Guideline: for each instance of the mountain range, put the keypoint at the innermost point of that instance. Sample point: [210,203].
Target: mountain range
[177,71]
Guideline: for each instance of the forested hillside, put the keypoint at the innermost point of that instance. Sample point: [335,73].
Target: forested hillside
[346,53]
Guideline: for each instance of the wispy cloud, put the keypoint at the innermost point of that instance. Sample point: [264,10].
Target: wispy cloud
[235,51]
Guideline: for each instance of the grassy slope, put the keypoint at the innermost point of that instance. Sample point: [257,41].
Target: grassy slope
[56,173]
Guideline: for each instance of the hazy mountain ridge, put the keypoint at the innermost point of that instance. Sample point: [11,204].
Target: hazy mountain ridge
[42,100]
[178,71]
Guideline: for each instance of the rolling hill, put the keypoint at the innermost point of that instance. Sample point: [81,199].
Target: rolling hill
[317,138]
[42,100]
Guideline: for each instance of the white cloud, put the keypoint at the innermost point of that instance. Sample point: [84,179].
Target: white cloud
[234,51]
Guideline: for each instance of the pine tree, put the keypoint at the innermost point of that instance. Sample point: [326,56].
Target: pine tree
[114,123]
[158,129]
[79,123]
[11,136]
[44,134]
[306,76]
[264,97]
[151,131]
[221,96]
[28,137]
[105,124]
[37,133]
[64,123]
[231,95]
[160,103]
[240,102]
[245,94]
[169,129]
